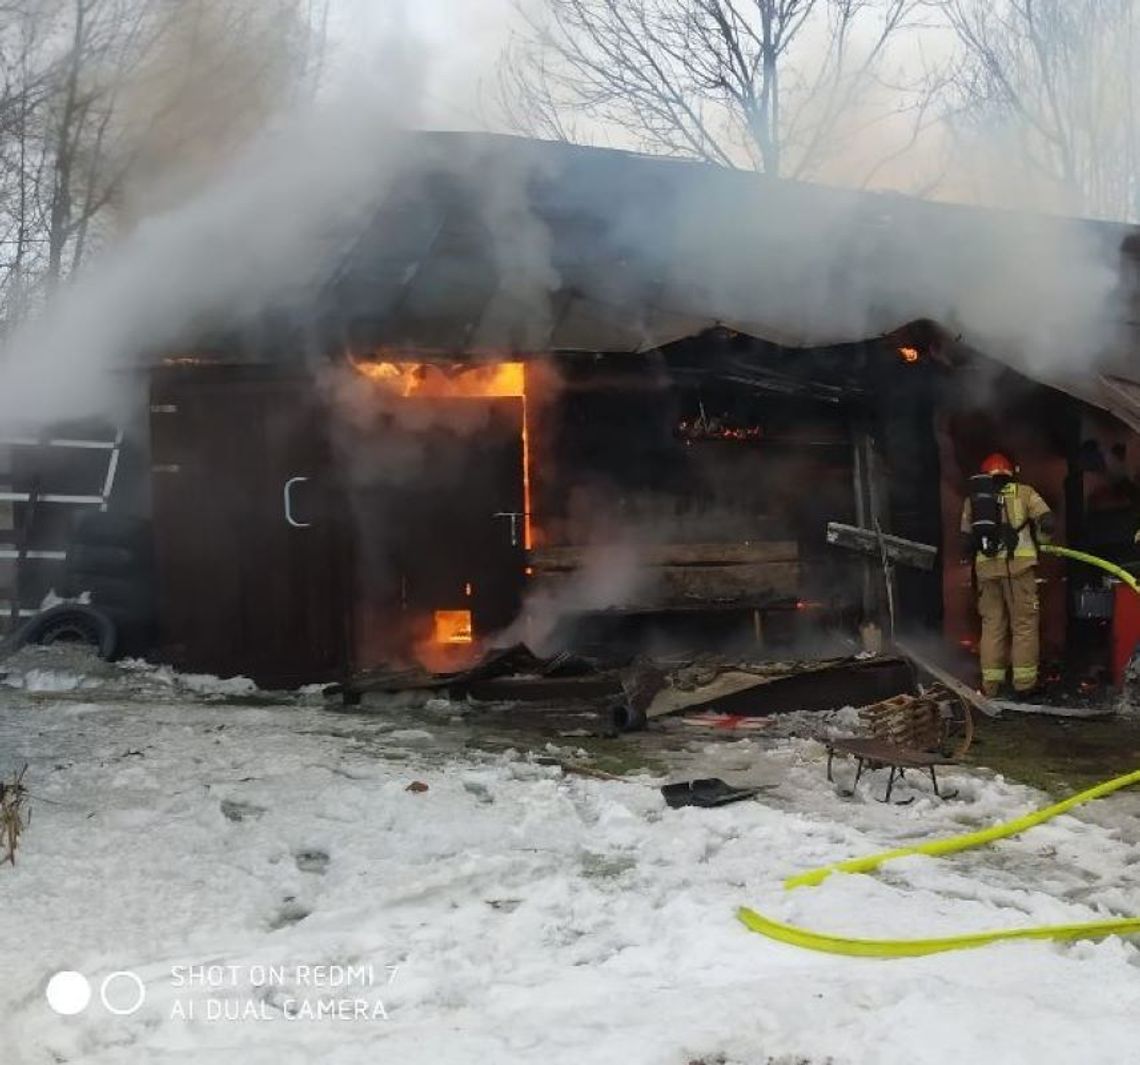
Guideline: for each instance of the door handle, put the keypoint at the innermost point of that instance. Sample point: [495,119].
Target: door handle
[514,515]
[287,494]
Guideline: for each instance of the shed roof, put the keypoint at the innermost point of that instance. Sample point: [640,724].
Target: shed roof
[488,243]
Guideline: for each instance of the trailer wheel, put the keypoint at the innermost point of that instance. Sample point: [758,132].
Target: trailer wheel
[71,623]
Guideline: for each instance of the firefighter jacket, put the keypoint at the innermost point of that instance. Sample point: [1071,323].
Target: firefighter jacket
[1022,509]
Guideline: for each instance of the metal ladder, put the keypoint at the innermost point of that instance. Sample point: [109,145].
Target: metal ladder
[16,547]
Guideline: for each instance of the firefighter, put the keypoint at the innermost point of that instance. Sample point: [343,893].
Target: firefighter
[1003,521]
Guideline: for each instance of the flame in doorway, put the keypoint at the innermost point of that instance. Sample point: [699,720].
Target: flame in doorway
[453,626]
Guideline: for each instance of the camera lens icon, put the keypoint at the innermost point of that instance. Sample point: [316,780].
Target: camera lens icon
[122,993]
[68,993]
[129,996]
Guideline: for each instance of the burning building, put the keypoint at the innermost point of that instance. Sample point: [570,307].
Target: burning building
[580,397]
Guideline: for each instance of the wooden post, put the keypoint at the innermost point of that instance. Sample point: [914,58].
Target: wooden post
[869,514]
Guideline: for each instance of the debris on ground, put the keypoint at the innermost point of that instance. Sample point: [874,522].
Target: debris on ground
[727,722]
[13,815]
[706,791]
[572,695]
[533,893]
[566,694]
[763,688]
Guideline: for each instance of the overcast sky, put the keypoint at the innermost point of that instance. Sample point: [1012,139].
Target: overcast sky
[454,45]
[459,41]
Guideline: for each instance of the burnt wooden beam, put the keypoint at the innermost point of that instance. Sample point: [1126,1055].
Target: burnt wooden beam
[667,587]
[745,582]
[976,699]
[751,553]
[870,542]
[842,683]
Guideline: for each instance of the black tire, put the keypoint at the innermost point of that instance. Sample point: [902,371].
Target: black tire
[102,559]
[71,623]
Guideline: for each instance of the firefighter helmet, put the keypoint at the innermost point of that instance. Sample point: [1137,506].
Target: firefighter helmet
[997,464]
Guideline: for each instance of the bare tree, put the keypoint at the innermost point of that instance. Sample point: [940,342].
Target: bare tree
[1055,83]
[100,99]
[108,38]
[772,84]
[28,84]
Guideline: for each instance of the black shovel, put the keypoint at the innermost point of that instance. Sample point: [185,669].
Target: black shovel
[707,791]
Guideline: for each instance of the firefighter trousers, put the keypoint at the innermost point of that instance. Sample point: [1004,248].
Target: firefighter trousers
[1010,630]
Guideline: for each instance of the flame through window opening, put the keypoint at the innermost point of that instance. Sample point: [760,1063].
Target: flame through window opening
[717,427]
[481,381]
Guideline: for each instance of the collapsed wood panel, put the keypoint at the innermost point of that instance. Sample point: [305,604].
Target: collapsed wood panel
[565,558]
[753,690]
[682,576]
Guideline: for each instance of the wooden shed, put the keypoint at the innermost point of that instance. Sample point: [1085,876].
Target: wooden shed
[618,415]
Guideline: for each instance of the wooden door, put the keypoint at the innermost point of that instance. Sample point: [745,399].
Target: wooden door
[250,543]
[463,522]
[437,498]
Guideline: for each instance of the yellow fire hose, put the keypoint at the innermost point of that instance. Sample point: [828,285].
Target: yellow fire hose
[909,948]
[1092,560]
[953,844]
[915,948]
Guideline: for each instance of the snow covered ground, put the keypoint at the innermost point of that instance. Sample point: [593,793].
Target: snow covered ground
[510,913]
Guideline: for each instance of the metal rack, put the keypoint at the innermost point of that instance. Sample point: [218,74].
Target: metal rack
[17,547]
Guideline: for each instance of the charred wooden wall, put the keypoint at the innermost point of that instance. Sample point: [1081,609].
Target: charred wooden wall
[651,459]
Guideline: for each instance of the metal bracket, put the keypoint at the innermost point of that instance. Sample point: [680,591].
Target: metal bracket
[514,515]
[287,495]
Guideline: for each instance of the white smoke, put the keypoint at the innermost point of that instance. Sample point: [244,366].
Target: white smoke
[794,264]
[611,574]
[259,228]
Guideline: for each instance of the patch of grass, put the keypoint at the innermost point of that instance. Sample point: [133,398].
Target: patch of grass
[1057,755]
[621,756]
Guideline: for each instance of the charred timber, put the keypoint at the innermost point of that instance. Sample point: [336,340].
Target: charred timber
[751,553]
[669,587]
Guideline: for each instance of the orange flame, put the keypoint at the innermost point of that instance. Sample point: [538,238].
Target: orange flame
[690,431]
[453,626]
[445,641]
[441,381]
[908,354]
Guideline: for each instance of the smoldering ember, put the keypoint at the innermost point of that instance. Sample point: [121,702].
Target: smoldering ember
[570,532]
